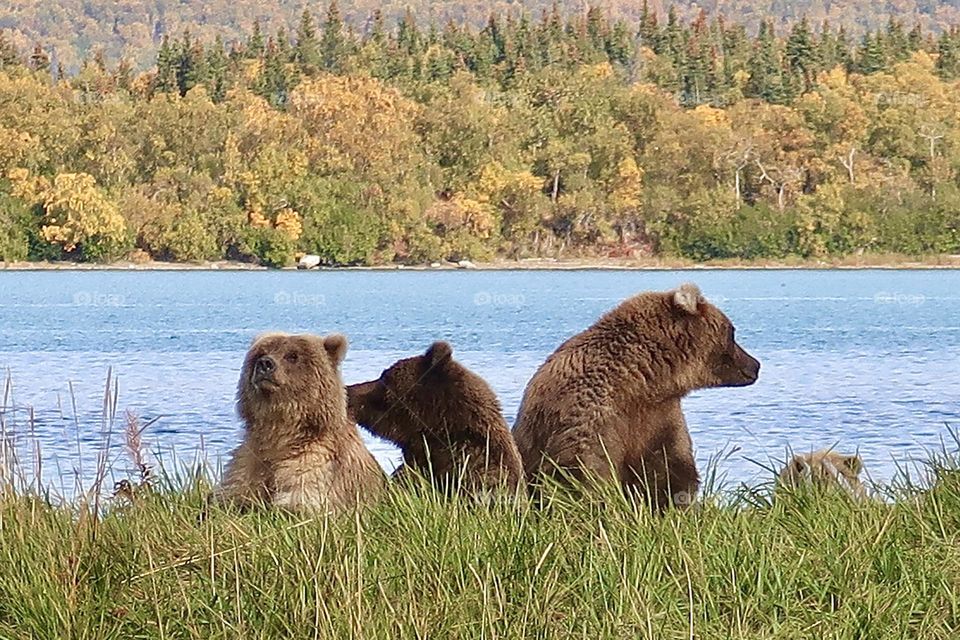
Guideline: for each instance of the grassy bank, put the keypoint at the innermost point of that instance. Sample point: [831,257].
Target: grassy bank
[419,566]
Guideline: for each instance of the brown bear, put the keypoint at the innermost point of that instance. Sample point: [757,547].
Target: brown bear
[445,419]
[299,451]
[825,469]
[606,404]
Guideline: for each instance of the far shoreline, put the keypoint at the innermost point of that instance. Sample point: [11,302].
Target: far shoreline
[861,262]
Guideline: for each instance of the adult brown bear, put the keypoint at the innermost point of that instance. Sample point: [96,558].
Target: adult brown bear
[606,403]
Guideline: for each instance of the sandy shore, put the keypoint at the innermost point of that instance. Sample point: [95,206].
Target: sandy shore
[665,264]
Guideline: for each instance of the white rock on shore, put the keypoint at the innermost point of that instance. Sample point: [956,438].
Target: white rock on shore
[309,261]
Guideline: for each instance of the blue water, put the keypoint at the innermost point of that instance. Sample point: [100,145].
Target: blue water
[868,361]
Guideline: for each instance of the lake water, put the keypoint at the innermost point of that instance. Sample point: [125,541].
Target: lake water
[868,361]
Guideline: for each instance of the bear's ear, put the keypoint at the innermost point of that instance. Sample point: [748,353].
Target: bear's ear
[853,464]
[335,345]
[439,354]
[799,465]
[687,298]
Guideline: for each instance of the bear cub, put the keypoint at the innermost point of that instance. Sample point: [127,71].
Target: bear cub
[445,419]
[299,449]
[825,470]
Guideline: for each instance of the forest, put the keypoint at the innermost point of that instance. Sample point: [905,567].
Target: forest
[526,135]
[73,30]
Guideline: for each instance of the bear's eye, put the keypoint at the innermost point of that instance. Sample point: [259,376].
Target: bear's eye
[292,357]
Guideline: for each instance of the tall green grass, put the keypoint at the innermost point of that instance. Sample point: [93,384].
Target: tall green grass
[148,560]
[419,565]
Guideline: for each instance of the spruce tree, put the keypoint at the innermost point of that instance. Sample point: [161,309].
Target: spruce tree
[333,43]
[871,55]
[766,77]
[217,67]
[801,55]
[167,62]
[619,44]
[273,83]
[649,30]
[915,38]
[255,44]
[408,36]
[191,66]
[896,41]
[948,60]
[307,49]
[378,33]
[844,54]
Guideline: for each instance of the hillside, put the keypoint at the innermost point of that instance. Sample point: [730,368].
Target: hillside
[74,29]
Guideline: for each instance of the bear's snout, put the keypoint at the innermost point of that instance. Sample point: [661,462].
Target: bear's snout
[263,368]
[748,365]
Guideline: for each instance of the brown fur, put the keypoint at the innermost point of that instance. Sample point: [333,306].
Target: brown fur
[825,469]
[445,419]
[606,404]
[299,450]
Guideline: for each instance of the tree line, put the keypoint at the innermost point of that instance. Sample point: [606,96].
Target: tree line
[560,135]
[133,29]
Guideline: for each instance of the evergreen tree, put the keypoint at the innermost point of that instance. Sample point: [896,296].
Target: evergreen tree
[217,67]
[915,38]
[697,64]
[191,66]
[333,43]
[844,54]
[801,55]
[896,42]
[307,49]
[274,84]
[872,55]
[827,53]
[167,61]
[378,33]
[284,46]
[619,44]
[670,43]
[948,60]
[255,44]
[649,30]
[766,76]
[408,36]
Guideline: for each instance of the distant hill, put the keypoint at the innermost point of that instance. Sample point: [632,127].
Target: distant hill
[72,30]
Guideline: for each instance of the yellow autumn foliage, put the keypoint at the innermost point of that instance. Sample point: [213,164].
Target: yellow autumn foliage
[76,211]
[289,223]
